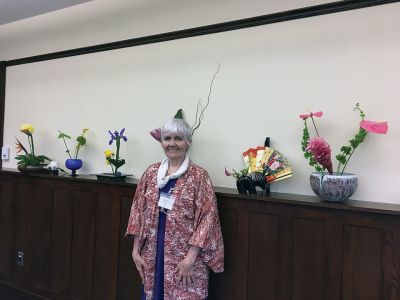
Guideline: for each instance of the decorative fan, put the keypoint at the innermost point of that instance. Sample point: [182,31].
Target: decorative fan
[266,164]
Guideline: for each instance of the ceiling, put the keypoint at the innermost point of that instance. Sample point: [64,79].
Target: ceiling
[15,10]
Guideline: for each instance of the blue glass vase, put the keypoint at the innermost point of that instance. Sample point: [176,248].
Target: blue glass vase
[73,165]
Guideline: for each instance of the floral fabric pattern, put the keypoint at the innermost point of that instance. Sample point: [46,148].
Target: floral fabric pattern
[193,220]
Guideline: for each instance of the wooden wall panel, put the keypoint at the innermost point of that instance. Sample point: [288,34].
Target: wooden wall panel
[127,274]
[61,240]
[391,264]
[232,239]
[105,272]
[72,233]
[7,227]
[82,245]
[309,259]
[40,238]
[334,246]
[284,272]
[23,209]
[362,263]
[263,257]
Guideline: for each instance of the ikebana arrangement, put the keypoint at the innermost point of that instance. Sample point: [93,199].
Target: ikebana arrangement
[113,158]
[327,184]
[73,163]
[156,133]
[263,165]
[29,160]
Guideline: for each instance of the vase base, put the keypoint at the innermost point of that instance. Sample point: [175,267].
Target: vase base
[112,177]
[33,169]
[333,188]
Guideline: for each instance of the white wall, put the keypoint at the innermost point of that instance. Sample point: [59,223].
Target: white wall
[269,75]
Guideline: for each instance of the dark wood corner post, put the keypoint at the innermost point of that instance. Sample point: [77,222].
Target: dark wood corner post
[2,100]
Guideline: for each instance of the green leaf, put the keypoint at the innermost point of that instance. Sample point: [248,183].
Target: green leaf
[63,135]
[179,114]
[81,140]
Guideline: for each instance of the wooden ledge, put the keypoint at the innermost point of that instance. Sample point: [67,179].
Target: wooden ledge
[222,192]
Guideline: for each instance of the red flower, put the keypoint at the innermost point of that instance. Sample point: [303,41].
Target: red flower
[374,127]
[156,133]
[321,152]
[316,114]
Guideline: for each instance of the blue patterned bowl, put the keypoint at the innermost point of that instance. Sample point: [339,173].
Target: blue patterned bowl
[333,188]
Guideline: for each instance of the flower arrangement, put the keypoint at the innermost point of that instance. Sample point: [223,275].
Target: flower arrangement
[200,110]
[318,152]
[29,158]
[237,174]
[113,159]
[80,142]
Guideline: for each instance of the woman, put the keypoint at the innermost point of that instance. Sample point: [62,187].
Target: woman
[174,222]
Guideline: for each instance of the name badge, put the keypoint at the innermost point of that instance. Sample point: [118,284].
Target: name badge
[166,201]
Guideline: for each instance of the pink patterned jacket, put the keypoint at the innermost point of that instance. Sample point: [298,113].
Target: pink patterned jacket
[193,220]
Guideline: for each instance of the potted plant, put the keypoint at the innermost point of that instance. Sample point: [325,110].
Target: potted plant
[113,159]
[327,184]
[29,162]
[73,163]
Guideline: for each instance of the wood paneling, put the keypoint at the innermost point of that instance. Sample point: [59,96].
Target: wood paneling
[72,233]
[40,238]
[23,209]
[61,240]
[362,263]
[229,224]
[391,264]
[309,259]
[106,247]
[82,245]
[263,256]
[128,278]
[7,227]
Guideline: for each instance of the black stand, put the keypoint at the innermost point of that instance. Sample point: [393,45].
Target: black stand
[267,190]
[246,185]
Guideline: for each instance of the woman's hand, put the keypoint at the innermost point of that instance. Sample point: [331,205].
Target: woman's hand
[138,259]
[185,269]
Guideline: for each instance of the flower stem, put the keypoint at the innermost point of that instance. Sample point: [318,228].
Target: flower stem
[30,139]
[315,126]
[67,148]
[112,169]
[118,143]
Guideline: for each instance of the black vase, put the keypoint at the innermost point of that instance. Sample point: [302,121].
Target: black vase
[245,186]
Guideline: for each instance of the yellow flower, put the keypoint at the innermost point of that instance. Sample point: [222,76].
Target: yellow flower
[108,153]
[27,128]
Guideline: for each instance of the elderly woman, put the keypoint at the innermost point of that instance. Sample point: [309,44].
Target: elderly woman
[174,223]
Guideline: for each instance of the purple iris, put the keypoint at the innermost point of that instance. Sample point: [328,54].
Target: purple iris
[117,135]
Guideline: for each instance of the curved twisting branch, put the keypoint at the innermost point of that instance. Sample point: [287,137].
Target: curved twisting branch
[200,109]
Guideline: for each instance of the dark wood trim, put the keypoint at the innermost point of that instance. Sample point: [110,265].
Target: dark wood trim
[289,15]
[2,100]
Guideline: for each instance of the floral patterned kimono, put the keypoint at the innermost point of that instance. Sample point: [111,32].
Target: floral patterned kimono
[193,220]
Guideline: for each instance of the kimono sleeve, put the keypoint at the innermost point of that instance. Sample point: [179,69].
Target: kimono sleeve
[207,234]
[135,222]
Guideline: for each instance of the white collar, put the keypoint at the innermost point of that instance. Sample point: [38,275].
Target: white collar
[162,180]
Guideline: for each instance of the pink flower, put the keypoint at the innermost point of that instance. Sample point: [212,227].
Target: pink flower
[321,152]
[227,173]
[316,114]
[156,133]
[374,127]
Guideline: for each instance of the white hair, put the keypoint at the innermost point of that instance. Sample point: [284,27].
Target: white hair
[178,127]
